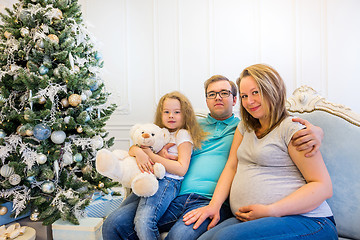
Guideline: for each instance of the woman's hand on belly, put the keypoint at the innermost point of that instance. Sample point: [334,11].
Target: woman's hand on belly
[252,212]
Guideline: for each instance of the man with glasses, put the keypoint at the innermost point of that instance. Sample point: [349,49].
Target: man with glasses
[205,167]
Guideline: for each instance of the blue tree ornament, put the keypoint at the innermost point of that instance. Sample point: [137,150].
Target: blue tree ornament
[2,134]
[43,70]
[31,179]
[78,157]
[42,131]
[98,56]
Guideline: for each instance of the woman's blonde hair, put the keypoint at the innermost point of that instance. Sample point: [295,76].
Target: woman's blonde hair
[272,88]
[189,119]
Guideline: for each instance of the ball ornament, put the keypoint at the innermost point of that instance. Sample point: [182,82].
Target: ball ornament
[6,171]
[58,137]
[74,100]
[42,131]
[3,210]
[41,158]
[48,187]
[14,179]
[53,38]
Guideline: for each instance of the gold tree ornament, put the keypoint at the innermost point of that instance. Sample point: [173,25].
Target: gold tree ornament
[74,100]
[21,130]
[53,38]
[42,100]
[24,31]
[29,132]
[64,102]
[7,34]
[3,210]
[79,129]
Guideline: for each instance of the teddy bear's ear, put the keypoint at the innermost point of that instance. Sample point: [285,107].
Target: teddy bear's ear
[134,128]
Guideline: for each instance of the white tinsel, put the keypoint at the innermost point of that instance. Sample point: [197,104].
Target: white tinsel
[20,196]
[81,142]
[2,73]
[71,60]
[5,152]
[12,45]
[67,147]
[51,92]
[37,34]
[10,102]
[81,33]
[13,140]
[29,157]
[58,203]
[81,61]
[94,69]
[33,9]
[78,212]
[13,69]
[14,143]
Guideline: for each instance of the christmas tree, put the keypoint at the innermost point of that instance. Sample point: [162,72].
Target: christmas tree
[53,110]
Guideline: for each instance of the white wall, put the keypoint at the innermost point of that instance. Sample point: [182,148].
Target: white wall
[151,47]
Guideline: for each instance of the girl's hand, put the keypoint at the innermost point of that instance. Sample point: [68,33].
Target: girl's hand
[200,215]
[252,212]
[144,162]
[165,154]
[308,139]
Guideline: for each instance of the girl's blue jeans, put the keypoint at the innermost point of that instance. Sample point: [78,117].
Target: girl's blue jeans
[272,228]
[141,214]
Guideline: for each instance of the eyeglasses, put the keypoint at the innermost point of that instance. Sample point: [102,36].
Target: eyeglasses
[222,94]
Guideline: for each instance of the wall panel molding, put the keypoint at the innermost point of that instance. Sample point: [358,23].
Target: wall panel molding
[123,94]
[156,27]
[257,33]
[324,49]
[211,40]
[121,134]
[298,42]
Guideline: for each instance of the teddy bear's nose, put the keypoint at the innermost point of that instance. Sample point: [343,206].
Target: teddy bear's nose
[145,135]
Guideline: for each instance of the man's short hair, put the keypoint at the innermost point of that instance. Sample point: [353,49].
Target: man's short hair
[217,78]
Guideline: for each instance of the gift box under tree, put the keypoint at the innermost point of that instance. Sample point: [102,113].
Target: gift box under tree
[102,205]
[88,228]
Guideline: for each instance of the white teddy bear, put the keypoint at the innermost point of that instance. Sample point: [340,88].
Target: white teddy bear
[121,167]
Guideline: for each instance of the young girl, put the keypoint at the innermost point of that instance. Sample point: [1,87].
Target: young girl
[275,192]
[175,113]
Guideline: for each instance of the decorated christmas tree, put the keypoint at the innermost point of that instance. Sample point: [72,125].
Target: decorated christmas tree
[53,110]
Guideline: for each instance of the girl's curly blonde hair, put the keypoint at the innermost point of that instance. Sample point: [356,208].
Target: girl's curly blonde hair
[189,118]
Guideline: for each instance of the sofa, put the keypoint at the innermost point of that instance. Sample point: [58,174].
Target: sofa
[341,152]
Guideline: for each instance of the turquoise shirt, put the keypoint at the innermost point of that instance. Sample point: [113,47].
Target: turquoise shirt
[208,162]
